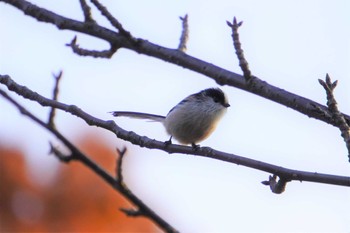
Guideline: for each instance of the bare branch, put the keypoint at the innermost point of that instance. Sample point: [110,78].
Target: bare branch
[335,113]
[221,76]
[87,12]
[41,123]
[239,51]
[52,114]
[93,53]
[60,155]
[322,112]
[113,20]
[76,154]
[283,173]
[184,34]
[124,188]
[124,39]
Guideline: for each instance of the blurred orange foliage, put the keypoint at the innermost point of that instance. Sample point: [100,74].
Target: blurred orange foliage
[76,201]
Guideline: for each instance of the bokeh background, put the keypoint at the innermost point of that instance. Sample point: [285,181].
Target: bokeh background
[288,44]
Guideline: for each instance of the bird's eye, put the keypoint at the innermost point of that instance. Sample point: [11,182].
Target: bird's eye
[216,100]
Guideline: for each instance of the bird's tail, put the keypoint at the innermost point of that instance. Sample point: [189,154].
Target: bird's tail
[139,115]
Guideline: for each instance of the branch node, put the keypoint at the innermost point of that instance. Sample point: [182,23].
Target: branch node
[184,34]
[336,115]
[115,23]
[276,187]
[61,156]
[322,112]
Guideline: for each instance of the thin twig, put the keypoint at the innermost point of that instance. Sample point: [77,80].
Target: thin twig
[123,187]
[119,167]
[218,74]
[87,12]
[93,53]
[51,121]
[115,23]
[283,173]
[131,212]
[78,155]
[184,34]
[239,51]
[60,155]
[337,116]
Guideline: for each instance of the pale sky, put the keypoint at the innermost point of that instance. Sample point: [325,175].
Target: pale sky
[288,44]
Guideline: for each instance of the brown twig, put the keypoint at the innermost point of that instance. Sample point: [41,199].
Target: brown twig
[124,188]
[337,116]
[238,47]
[184,34]
[87,12]
[60,155]
[115,23]
[218,74]
[283,173]
[119,167]
[93,53]
[52,113]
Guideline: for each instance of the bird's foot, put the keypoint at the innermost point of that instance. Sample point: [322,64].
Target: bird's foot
[195,146]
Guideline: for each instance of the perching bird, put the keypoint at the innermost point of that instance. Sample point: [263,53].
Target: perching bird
[193,119]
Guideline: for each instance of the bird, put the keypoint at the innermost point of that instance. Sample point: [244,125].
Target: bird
[192,120]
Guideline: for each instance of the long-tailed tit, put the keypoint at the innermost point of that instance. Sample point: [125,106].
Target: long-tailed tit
[193,119]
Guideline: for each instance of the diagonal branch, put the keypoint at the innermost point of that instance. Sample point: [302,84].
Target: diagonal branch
[113,20]
[76,154]
[283,173]
[87,12]
[220,75]
[60,155]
